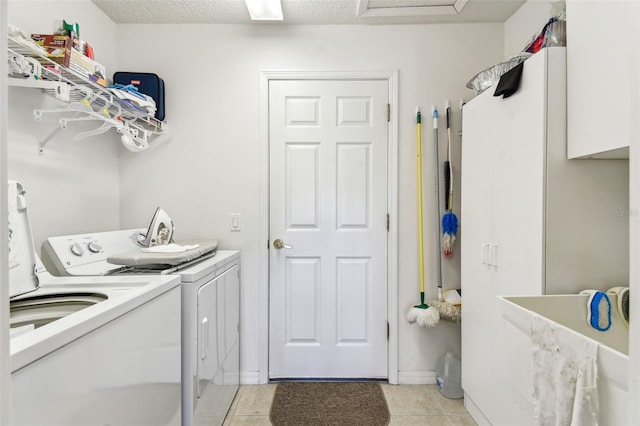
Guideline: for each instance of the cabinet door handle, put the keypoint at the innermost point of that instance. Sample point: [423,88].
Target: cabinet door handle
[485,254]
[204,330]
[494,254]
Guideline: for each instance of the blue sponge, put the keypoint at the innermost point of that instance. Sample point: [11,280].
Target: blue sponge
[598,310]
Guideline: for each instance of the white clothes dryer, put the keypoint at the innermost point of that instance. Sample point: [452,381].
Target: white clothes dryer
[210,309]
[91,350]
[210,337]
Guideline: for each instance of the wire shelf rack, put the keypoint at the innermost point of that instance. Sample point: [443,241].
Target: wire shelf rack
[83,99]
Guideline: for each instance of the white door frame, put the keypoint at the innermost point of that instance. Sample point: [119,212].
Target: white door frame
[392,202]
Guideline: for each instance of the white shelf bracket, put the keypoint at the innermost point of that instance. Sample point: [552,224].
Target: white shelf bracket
[46,140]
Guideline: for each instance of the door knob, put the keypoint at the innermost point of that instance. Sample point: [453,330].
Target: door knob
[279,244]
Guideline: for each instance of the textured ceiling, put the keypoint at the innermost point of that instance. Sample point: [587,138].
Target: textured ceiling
[314,12]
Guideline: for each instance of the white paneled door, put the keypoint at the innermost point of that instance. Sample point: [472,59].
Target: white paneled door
[328,228]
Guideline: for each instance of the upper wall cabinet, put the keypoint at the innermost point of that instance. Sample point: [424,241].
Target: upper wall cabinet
[602,77]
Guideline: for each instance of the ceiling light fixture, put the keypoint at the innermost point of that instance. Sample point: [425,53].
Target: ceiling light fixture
[265,10]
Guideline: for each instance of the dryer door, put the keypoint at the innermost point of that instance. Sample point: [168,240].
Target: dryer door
[207,335]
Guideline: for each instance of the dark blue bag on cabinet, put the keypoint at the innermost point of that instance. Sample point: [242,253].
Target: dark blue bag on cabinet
[147,83]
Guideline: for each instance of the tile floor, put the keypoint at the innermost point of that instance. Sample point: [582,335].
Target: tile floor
[408,405]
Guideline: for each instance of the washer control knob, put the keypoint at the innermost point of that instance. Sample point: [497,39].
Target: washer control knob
[77,249]
[94,247]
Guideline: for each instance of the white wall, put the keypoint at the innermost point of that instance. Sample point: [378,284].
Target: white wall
[209,167]
[74,186]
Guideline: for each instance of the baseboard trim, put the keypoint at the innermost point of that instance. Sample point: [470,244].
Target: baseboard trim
[416,377]
[250,378]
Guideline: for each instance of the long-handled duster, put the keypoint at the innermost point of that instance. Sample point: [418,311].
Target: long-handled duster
[449,220]
[446,310]
[423,314]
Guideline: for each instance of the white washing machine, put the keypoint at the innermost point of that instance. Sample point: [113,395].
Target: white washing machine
[210,310]
[89,350]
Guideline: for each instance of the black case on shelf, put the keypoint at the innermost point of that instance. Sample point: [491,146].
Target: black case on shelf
[147,83]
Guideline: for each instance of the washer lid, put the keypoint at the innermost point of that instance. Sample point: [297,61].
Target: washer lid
[22,255]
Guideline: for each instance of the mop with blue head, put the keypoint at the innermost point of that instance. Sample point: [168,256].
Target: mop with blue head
[449,220]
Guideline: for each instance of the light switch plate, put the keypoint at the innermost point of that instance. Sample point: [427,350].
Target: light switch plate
[235,222]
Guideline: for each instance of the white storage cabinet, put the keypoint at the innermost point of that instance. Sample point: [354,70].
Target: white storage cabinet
[532,223]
